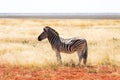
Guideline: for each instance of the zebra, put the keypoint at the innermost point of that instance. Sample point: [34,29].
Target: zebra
[68,46]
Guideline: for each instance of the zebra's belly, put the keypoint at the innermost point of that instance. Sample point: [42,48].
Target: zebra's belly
[67,48]
[67,51]
[64,50]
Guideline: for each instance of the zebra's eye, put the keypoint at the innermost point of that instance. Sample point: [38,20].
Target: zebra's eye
[44,29]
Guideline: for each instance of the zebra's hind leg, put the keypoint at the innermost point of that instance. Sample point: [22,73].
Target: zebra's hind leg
[58,57]
[85,54]
[84,59]
[80,57]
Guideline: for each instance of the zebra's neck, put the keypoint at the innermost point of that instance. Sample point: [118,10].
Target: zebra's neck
[53,39]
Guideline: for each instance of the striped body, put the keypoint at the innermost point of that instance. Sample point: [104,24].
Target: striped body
[72,45]
[68,46]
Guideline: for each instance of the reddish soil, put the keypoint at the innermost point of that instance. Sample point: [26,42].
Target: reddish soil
[61,73]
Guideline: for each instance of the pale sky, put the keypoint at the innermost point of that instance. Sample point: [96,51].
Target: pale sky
[59,6]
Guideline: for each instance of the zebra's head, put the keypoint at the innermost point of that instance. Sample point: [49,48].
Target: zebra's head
[46,32]
[43,35]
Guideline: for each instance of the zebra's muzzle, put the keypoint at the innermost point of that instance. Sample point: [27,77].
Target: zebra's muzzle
[39,39]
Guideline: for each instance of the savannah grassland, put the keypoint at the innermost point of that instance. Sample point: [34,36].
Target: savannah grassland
[20,48]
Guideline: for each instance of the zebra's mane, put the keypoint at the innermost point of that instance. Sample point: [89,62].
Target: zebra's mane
[52,30]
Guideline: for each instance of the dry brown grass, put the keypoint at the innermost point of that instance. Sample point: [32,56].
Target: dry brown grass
[19,45]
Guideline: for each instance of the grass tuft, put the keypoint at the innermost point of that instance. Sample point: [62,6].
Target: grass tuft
[25,42]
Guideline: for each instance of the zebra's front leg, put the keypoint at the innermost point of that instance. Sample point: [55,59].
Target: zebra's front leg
[80,57]
[58,57]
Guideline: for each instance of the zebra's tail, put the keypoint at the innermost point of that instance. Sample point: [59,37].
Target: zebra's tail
[85,54]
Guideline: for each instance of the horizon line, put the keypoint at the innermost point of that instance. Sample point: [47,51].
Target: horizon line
[62,15]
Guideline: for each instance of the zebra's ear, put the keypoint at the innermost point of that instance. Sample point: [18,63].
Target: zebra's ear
[46,28]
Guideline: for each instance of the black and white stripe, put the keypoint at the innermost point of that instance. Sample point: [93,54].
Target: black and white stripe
[65,45]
